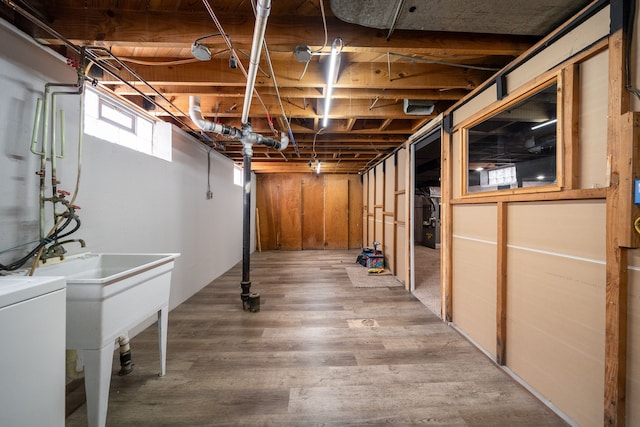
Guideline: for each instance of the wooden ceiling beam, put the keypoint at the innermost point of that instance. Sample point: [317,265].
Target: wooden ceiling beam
[344,150]
[372,76]
[385,124]
[116,26]
[360,132]
[339,108]
[335,167]
[274,156]
[297,95]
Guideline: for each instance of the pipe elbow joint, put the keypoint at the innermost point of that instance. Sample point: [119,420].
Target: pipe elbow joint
[195,112]
[284,142]
[271,142]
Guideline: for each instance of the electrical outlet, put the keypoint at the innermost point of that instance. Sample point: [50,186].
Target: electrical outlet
[209,195]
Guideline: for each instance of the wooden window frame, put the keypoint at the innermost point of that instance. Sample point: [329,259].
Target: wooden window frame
[518,96]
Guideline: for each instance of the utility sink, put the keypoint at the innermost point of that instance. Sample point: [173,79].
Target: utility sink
[109,294]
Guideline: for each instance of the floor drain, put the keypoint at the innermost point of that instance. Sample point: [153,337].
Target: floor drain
[362,323]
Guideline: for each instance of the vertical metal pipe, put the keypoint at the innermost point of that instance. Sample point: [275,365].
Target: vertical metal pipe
[246,228]
[262,13]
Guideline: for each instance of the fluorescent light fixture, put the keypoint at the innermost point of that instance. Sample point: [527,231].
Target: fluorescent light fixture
[541,125]
[331,76]
[540,177]
[479,168]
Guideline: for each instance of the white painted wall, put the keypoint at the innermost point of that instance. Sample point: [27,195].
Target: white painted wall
[130,202]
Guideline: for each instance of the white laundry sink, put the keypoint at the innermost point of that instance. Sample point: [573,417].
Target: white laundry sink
[107,296]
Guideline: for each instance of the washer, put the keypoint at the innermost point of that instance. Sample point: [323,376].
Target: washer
[32,351]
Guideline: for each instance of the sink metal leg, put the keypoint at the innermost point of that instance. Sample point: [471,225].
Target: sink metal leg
[97,378]
[163,317]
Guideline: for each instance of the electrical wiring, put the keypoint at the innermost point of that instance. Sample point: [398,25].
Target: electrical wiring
[324,45]
[226,38]
[165,63]
[275,85]
[435,61]
[627,58]
[324,24]
[264,73]
[157,63]
[313,145]
[209,195]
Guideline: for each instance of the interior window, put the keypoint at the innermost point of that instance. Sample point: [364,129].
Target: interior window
[516,147]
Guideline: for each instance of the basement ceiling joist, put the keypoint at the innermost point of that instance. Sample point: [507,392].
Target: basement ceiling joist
[376,75]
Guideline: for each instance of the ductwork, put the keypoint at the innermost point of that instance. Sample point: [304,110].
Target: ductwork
[521,17]
[418,107]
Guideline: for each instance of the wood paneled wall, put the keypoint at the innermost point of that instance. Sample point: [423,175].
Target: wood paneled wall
[384,212]
[309,211]
[551,291]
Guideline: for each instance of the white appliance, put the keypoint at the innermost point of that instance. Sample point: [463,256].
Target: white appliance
[109,295]
[32,351]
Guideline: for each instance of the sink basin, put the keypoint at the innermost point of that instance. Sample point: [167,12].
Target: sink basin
[103,268]
[109,294]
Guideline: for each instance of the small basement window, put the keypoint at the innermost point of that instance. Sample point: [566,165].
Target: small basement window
[110,113]
[517,146]
[112,121]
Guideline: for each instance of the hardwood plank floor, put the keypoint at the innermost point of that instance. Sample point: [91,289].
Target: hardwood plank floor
[319,352]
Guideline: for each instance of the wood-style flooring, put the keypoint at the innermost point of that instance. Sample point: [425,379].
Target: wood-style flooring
[320,352]
[427,276]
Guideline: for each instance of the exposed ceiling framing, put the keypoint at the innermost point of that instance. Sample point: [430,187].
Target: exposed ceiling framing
[376,75]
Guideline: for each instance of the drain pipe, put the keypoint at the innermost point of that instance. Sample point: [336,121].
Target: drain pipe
[250,301]
[74,365]
[195,112]
[248,138]
[246,135]
[126,366]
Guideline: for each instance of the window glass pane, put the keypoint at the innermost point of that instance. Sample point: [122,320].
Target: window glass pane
[112,114]
[516,147]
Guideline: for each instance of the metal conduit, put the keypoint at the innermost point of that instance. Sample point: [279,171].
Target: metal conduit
[89,52]
[262,13]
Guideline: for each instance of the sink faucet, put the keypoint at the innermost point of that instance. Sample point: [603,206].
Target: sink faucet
[57,250]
